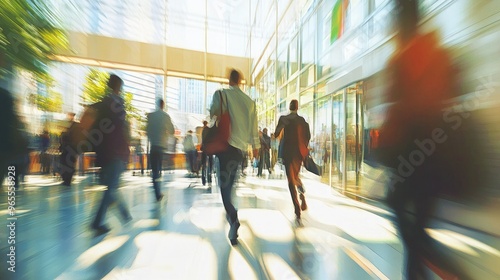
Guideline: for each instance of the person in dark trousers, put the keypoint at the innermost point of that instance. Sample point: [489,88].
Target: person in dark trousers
[206,169]
[13,142]
[112,152]
[243,131]
[265,145]
[293,147]
[159,128]
[422,78]
[191,153]
[68,156]
[44,155]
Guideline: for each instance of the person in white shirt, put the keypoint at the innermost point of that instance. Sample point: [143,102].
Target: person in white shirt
[244,131]
[159,127]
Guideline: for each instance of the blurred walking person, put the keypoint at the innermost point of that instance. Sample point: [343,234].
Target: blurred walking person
[421,79]
[274,150]
[293,147]
[159,128]
[191,153]
[243,132]
[68,152]
[13,141]
[112,152]
[265,145]
[207,161]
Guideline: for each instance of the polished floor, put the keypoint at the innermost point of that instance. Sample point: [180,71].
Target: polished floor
[185,236]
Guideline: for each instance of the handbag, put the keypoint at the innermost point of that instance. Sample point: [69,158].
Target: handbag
[310,165]
[216,139]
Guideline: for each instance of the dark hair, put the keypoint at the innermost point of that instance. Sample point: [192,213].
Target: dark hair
[114,82]
[235,76]
[294,105]
[407,15]
[160,102]
[205,122]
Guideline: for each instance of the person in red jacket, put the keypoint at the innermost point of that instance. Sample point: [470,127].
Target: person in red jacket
[422,78]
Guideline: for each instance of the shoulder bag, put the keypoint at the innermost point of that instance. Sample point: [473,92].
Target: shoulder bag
[216,139]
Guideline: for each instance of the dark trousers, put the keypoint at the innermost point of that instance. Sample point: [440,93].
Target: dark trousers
[292,169]
[419,246]
[206,169]
[156,159]
[110,176]
[67,165]
[191,159]
[229,161]
[264,160]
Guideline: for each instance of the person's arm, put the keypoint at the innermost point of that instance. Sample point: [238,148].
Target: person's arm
[307,132]
[215,107]
[170,126]
[279,127]
[148,126]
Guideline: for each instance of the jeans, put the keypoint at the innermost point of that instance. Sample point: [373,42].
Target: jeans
[110,176]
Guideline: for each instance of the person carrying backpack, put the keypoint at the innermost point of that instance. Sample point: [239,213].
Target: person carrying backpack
[112,151]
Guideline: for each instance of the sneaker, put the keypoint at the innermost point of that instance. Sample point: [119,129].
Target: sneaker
[99,230]
[233,233]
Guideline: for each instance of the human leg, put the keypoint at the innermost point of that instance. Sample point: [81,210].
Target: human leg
[156,158]
[229,162]
[110,175]
[292,174]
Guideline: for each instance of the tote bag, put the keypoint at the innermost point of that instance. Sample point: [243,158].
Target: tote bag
[216,139]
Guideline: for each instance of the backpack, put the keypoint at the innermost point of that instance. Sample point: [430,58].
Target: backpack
[85,137]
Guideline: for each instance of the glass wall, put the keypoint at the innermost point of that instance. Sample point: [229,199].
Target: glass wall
[310,64]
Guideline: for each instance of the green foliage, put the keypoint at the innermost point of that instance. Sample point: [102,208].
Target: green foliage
[95,89]
[29,36]
[51,103]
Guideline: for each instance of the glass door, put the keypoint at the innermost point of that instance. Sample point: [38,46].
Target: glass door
[322,140]
[337,140]
[353,138]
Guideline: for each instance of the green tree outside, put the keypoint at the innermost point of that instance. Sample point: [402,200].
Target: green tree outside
[30,34]
[95,89]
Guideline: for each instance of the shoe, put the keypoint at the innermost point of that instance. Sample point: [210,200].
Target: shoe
[303,204]
[298,222]
[301,189]
[233,233]
[100,230]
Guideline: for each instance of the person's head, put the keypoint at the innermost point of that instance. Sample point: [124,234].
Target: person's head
[115,83]
[234,78]
[160,103]
[407,18]
[294,105]
[205,123]
[264,131]
[71,116]
[190,131]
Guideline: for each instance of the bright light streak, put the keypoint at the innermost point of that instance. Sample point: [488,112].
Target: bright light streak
[239,268]
[461,242]
[278,268]
[358,223]
[269,225]
[96,252]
